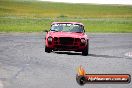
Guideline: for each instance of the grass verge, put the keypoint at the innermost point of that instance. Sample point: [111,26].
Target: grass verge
[33,16]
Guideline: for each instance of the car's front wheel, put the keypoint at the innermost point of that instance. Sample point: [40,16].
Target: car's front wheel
[85,51]
[48,50]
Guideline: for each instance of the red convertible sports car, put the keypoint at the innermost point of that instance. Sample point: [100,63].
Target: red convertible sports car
[67,36]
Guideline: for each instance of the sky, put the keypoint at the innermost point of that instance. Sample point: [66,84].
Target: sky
[128,2]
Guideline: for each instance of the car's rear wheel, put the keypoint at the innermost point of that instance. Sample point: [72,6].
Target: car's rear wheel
[48,50]
[86,50]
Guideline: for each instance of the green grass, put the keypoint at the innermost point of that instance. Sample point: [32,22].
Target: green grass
[33,16]
[24,24]
[40,24]
[47,9]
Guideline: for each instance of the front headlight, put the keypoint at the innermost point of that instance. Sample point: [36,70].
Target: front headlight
[50,39]
[83,40]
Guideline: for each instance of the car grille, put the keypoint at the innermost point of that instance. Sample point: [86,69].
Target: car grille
[66,41]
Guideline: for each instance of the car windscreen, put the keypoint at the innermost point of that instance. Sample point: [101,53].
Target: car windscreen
[67,28]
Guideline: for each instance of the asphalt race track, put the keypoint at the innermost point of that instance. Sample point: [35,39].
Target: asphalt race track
[24,64]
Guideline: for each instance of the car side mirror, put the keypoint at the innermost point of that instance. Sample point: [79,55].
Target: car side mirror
[84,31]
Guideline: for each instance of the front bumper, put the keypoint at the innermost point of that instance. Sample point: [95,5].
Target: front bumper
[67,48]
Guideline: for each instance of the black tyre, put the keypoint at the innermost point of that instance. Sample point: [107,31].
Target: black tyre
[48,50]
[81,80]
[86,50]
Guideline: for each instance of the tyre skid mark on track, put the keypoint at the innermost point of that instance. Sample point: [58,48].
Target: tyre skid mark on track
[1,84]
[21,70]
